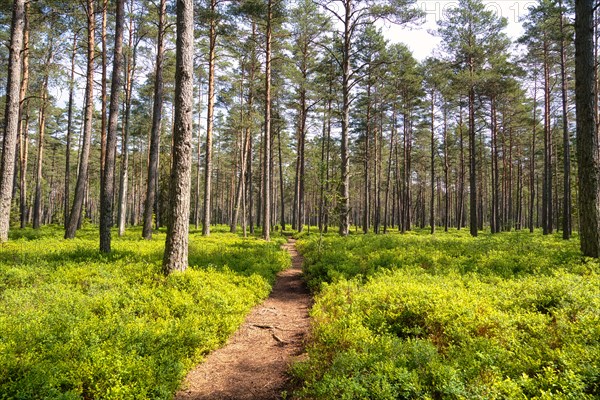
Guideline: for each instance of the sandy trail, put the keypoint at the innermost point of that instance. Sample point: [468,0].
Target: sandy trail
[255,361]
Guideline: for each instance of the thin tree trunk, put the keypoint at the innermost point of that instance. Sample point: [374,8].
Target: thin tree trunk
[461,194]
[151,187]
[432,202]
[37,203]
[473,214]
[23,124]
[67,192]
[198,155]
[547,187]
[389,173]
[495,218]
[212,41]
[107,189]
[345,167]
[176,245]
[566,222]
[242,162]
[104,90]
[446,172]
[123,182]
[76,211]
[281,186]
[532,158]
[266,200]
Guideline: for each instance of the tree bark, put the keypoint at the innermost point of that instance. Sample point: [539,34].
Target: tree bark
[281,186]
[473,214]
[107,188]
[23,124]
[11,116]
[432,201]
[123,181]
[547,181]
[76,211]
[69,132]
[266,198]
[103,92]
[389,173]
[176,245]
[154,153]
[212,41]
[532,187]
[588,154]
[37,203]
[566,221]
[198,155]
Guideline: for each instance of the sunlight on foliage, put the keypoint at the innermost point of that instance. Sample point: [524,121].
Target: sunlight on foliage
[415,316]
[77,324]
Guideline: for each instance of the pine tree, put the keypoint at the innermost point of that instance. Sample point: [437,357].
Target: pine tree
[11,116]
[176,245]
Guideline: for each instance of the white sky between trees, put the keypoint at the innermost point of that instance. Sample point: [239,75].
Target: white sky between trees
[421,39]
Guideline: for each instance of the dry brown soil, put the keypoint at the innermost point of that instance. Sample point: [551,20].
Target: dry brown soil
[255,361]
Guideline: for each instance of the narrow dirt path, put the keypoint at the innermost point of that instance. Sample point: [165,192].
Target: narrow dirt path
[254,362]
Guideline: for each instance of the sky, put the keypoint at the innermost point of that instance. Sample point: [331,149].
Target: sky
[422,42]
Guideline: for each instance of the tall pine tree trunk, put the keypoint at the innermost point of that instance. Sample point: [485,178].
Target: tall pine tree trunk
[11,116]
[37,203]
[176,245]
[69,131]
[473,214]
[432,166]
[103,92]
[547,181]
[267,156]
[23,124]
[566,222]
[124,178]
[76,211]
[212,41]
[154,153]
[588,151]
[532,186]
[107,188]
[345,167]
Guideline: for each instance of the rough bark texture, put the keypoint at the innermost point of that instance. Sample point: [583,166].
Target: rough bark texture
[155,132]
[37,202]
[345,167]
[103,92]
[566,222]
[267,148]
[123,181]
[472,166]
[24,125]
[212,38]
[69,131]
[11,117]
[176,246]
[75,214]
[432,200]
[532,190]
[107,189]
[588,156]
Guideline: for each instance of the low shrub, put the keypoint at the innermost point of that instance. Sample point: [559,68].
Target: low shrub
[75,324]
[509,316]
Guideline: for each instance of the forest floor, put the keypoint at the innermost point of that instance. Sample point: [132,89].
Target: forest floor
[255,361]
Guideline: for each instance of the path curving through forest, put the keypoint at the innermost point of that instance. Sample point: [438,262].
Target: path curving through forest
[255,361]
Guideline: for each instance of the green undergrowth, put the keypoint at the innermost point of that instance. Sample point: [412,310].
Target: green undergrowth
[75,324]
[415,316]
